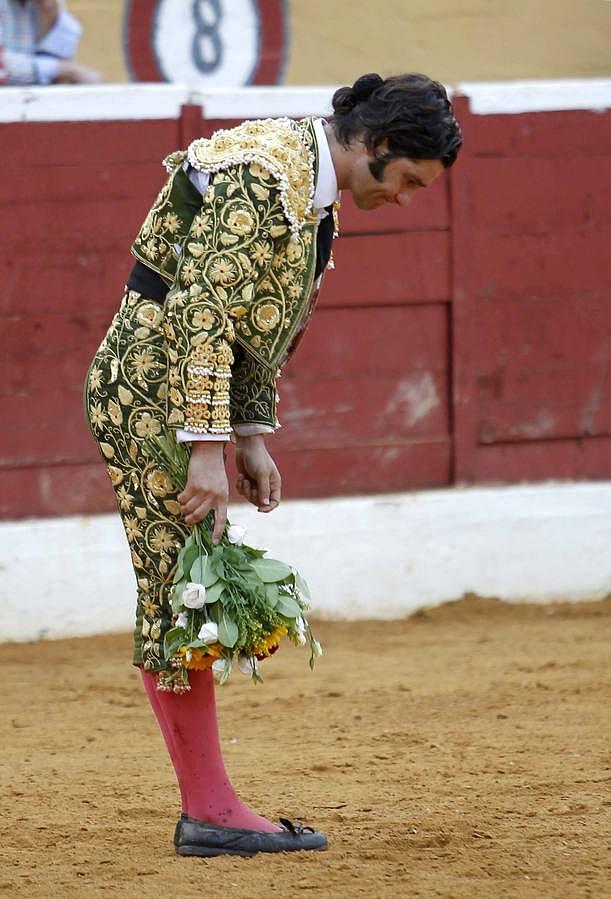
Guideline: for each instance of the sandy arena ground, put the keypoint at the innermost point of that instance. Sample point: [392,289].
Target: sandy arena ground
[461,753]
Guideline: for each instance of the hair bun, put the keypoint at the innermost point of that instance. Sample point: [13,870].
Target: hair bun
[363,87]
[346,98]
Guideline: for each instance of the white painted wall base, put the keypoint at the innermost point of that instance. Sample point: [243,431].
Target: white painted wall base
[115,102]
[365,557]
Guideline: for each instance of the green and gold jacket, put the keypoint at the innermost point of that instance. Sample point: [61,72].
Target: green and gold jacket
[240,264]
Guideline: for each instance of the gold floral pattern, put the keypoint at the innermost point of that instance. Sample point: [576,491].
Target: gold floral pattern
[251,239]
[146,495]
[277,146]
[267,316]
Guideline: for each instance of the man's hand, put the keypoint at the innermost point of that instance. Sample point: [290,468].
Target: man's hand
[207,486]
[71,72]
[258,478]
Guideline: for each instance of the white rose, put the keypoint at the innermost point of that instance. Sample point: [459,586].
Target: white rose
[236,534]
[209,632]
[247,663]
[194,596]
[221,669]
[182,620]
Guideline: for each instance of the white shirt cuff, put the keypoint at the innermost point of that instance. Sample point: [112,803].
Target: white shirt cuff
[189,436]
[46,68]
[250,428]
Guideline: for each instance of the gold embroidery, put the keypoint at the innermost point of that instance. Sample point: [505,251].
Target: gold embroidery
[275,146]
[267,316]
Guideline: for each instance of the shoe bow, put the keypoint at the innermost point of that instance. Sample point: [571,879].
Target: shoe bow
[295,827]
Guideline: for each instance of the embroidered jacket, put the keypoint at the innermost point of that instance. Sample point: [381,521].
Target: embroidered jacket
[240,264]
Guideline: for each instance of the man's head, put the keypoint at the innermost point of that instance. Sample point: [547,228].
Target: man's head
[399,135]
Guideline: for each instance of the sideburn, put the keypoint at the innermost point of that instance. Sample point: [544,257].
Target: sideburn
[378,164]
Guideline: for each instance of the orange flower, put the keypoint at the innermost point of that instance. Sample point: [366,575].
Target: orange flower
[200,659]
[269,644]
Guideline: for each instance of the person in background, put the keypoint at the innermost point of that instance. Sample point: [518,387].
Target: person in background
[38,40]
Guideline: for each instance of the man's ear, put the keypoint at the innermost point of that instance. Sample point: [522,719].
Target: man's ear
[380,149]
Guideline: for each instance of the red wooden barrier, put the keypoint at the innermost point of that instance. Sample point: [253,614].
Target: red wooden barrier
[465,340]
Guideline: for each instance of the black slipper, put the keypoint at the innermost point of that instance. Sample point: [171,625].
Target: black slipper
[197,838]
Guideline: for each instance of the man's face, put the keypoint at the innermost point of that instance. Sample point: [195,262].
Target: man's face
[400,180]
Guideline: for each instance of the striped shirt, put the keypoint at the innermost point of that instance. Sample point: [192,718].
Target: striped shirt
[24,59]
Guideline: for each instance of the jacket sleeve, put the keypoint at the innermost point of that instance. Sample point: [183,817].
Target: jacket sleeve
[253,395]
[228,250]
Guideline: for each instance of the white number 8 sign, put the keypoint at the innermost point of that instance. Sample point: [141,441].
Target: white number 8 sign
[216,43]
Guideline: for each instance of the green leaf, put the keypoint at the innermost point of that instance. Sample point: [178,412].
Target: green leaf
[288,607]
[302,586]
[233,555]
[228,630]
[197,572]
[213,593]
[271,594]
[251,551]
[270,570]
[210,578]
[186,558]
[218,567]
[174,638]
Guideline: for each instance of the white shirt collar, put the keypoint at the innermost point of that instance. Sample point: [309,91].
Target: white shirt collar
[325,192]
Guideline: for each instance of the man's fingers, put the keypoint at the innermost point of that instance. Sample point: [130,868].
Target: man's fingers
[275,488]
[263,489]
[185,496]
[192,504]
[198,514]
[247,489]
[220,520]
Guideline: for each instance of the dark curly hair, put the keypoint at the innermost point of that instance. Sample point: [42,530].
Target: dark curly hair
[411,113]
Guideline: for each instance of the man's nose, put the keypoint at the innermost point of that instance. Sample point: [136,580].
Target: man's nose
[403,199]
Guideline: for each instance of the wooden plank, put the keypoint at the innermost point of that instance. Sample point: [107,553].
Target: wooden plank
[335,412]
[412,267]
[55,434]
[86,286]
[364,375]
[551,134]
[560,264]
[512,463]
[61,490]
[369,469]
[51,337]
[533,380]
[539,195]
[384,341]
[463,330]
[55,185]
[31,144]
[87,227]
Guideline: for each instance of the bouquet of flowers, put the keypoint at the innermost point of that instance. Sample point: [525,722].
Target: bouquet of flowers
[231,604]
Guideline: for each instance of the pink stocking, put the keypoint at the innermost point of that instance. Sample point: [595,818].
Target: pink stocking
[190,729]
[150,685]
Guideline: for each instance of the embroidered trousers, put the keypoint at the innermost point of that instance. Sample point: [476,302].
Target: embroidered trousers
[125,402]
